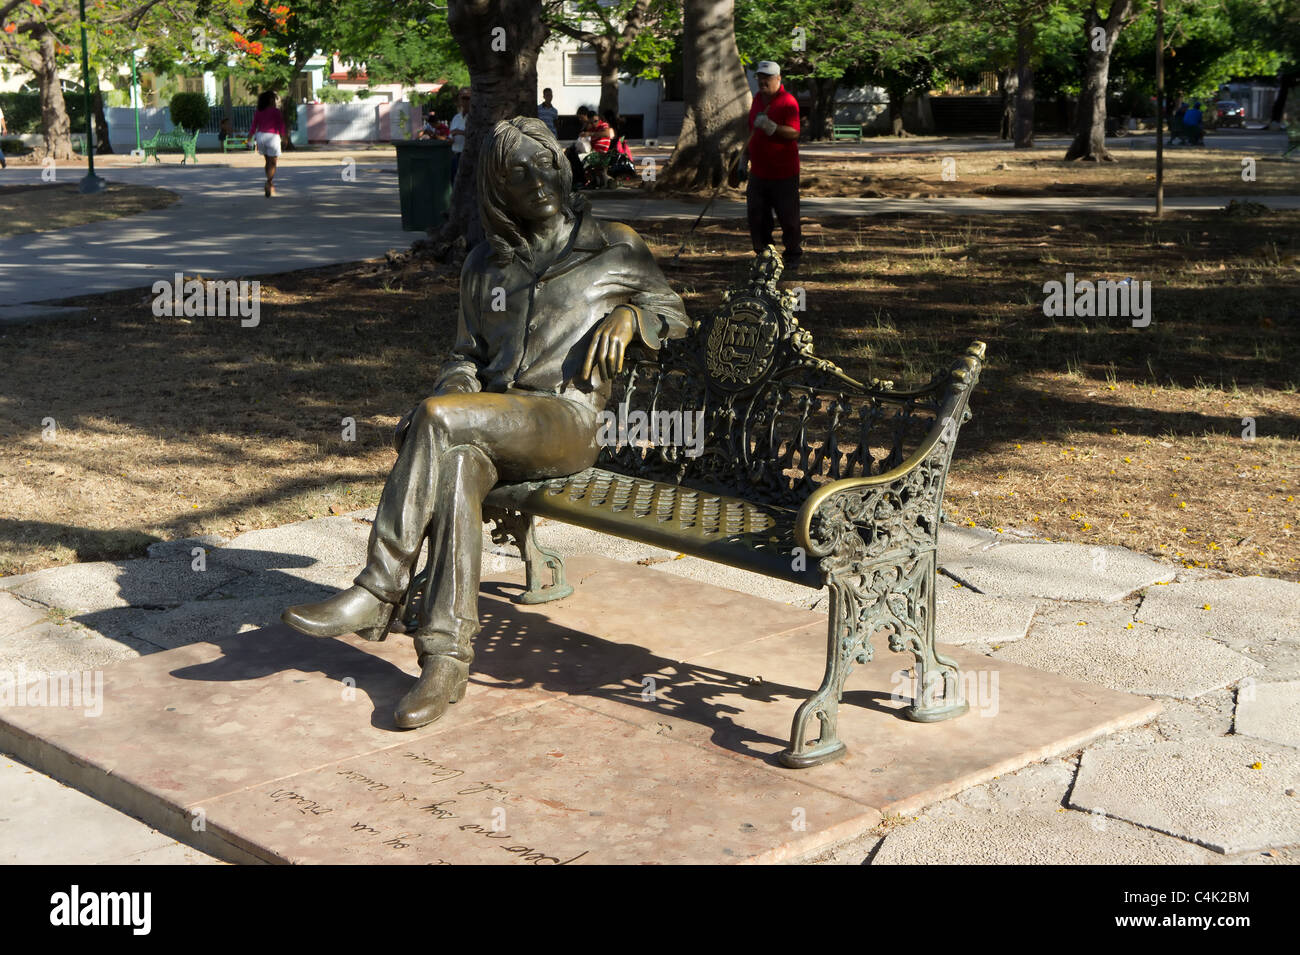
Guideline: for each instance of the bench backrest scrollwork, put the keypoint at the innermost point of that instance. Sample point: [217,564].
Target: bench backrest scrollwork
[742,406]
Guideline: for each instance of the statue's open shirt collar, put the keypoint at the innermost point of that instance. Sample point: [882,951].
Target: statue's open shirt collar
[585,240]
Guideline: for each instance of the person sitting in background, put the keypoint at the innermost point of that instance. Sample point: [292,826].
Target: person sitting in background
[225,132]
[580,147]
[602,134]
[435,128]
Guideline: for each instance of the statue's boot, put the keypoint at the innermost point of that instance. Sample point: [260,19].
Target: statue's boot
[444,675]
[355,610]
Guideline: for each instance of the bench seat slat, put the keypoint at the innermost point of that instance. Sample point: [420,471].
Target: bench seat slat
[754,537]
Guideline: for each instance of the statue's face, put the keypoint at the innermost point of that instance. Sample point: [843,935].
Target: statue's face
[533,183]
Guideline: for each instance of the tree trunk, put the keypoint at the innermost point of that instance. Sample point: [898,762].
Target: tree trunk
[227,102]
[1024,85]
[54,112]
[1008,84]
[896,98]
[609,61]
[1284,82]
[715,128]
[1090,129]
[823,91]
[287,108]
[102,145]
[503,85]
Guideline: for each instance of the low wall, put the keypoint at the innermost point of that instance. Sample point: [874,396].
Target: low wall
[366,121]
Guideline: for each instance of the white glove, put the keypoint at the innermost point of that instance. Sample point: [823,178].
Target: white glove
[765,123]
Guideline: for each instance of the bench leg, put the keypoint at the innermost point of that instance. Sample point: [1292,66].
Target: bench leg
[845,643]
[938,678]
[544,567]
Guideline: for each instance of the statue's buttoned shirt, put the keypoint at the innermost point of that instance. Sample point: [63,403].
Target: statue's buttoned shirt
[524,331]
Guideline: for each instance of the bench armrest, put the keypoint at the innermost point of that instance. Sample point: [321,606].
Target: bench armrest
[913,485]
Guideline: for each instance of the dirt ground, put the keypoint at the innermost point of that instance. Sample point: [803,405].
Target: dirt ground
[1042,172]
[1086,430]
[57,205]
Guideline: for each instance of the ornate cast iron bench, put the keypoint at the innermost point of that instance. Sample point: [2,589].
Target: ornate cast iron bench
[805,475]
[175,141]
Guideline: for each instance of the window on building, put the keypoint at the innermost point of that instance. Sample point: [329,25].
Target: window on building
[581,69]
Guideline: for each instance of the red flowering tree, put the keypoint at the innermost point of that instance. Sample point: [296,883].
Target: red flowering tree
[276,39]
[43,37]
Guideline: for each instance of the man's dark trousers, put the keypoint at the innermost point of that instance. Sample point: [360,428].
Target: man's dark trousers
[765,197]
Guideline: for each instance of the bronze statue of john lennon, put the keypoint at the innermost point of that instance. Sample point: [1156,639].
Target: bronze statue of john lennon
[548,304]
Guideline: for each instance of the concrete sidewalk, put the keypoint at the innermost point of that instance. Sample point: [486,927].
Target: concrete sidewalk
[1212,779]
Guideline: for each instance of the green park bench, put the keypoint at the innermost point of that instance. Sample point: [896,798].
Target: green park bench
[1292,139]
[844,133]
[235,142]
[802,474]
[175,141]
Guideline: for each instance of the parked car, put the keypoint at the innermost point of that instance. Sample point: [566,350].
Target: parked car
[1230,113]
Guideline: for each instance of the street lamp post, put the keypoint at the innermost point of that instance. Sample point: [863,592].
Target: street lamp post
[91,182]
[1160,108]
[135,101]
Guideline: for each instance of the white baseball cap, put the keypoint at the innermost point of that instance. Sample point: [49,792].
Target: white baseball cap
[768,67]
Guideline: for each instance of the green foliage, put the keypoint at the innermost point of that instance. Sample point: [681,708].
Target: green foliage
[647,53]
[189,110]
[402,41]
[332,94]
[445,102]
[1207,43]
[22,112]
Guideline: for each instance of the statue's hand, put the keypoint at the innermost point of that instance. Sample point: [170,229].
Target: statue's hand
[609,343]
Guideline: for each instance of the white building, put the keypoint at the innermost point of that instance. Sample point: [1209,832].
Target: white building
[568,68]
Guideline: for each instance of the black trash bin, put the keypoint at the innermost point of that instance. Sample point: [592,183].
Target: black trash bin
[424,183]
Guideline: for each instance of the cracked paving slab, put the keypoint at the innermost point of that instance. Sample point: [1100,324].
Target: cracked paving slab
[1269,711]
[102,585]
[1103,644]
[963,617]
[1019,819]
[1056,571]
[332,541]
[1257,616]
[1241,609]
[64,647]
[1203,790]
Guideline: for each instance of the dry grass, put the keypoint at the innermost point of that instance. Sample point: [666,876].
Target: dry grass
[1084,430]
[58,205]
[1042,172]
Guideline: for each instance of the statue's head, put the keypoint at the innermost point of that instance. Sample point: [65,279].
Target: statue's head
[523,180]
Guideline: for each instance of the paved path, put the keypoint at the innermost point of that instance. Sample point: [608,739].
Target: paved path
[1212,779]
[222,227]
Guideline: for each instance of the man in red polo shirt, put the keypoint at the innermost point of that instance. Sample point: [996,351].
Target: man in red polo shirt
[774,165]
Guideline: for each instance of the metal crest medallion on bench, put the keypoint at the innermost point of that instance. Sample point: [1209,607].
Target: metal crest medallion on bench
[741,344]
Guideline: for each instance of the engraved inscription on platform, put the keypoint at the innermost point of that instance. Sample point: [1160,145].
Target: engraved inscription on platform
[438,814]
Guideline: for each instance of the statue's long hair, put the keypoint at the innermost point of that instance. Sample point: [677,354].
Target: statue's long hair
[500,227]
